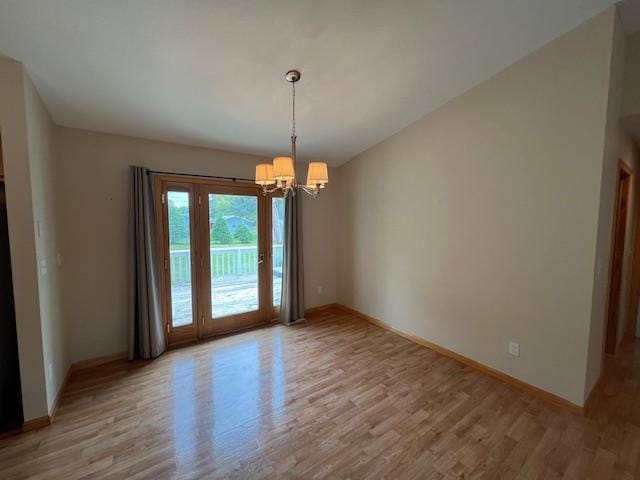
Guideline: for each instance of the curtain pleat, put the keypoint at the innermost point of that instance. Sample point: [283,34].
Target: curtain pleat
[146,335]
[292,300]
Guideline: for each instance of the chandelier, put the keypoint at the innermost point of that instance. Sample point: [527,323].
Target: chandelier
[281,175]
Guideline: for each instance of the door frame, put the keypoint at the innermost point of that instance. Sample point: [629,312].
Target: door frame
[199,185]
[623,172]
[274,312]
[240,321]
[634,283]
[186,333]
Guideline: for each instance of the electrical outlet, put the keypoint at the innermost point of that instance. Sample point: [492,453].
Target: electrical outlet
[320,289]
[514,349]
[59,259]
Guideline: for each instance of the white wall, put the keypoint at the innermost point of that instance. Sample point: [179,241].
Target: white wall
[93,178]
[15,149]
[477,224]
[55,345]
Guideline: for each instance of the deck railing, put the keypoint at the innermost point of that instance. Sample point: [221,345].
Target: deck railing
[225,261]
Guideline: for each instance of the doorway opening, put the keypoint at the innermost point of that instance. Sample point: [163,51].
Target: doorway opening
[220,248]
[11,415]
[614,326]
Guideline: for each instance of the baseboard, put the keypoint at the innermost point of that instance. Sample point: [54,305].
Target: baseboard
[45,421]
[94,362]
[36,423]
[519,384]
[319,310]
[41,422]
[114,357]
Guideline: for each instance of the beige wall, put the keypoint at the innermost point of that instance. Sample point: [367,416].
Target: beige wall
[55,345]
[94,201]
[477,224]
[16,146]
[319,243]
[618,146]
[631,96]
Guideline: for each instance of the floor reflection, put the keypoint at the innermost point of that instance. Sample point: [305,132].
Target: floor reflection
[224,403]
[236,397]
[184,409]
[277,380]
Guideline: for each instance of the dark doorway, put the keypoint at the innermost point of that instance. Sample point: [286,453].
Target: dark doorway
[10,393]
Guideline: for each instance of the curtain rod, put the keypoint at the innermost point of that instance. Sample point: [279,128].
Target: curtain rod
[217,177]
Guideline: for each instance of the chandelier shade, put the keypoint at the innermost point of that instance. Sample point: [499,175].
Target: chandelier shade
[264,174]
[283,169]
[317,175]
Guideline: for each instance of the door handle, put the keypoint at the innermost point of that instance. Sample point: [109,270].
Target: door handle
[261,258]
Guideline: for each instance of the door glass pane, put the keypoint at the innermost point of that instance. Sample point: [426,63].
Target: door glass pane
[277,235]
[233,243]
[180,258]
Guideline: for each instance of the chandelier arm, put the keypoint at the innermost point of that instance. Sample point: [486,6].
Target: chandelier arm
[311,191]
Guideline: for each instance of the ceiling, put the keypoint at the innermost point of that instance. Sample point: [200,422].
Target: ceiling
[210,73]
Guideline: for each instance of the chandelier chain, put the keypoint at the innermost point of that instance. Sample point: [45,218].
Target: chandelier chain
[293,116]
[293,126]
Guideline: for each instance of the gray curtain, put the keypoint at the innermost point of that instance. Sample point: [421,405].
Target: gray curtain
[292,300]
[146,335]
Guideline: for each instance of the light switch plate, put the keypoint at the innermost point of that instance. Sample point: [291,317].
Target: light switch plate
[514,349]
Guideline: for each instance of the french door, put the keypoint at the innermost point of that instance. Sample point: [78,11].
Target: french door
[220,249]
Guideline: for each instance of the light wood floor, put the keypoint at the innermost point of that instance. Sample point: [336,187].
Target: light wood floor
[333,398]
